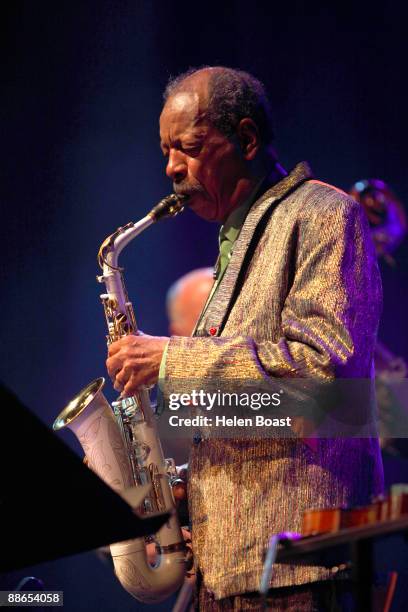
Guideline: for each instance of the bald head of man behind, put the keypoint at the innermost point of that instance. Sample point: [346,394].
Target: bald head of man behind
[186,299]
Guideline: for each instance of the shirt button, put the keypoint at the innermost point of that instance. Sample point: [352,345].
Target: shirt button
[213,331]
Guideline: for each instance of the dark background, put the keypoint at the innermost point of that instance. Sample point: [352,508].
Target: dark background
[82,86]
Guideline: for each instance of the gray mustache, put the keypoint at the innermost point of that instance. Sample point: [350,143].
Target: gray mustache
[187,190]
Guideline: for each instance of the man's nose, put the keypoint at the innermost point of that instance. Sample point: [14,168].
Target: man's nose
[176,168]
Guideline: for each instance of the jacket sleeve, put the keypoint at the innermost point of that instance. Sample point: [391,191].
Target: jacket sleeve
[330,315]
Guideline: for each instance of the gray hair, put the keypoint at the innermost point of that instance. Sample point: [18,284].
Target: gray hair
[233,95]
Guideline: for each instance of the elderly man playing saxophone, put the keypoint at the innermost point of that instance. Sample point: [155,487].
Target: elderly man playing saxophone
[297,295]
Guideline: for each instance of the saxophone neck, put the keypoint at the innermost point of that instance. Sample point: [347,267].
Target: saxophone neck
[113,245]
[119,313]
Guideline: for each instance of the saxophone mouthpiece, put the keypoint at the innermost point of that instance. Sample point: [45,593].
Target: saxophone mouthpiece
[170,206]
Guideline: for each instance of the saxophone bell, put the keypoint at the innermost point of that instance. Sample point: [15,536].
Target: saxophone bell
[89,416]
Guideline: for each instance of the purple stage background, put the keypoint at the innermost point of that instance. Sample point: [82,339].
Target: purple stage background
[80,105]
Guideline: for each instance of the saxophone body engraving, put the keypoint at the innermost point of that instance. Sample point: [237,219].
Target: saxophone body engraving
[122,446]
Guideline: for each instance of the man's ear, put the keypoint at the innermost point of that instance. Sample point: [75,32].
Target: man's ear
[248,137]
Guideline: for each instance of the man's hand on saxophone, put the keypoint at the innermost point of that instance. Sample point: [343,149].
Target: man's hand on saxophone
[134,361]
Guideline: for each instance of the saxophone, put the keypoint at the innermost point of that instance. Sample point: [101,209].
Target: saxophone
[122,446]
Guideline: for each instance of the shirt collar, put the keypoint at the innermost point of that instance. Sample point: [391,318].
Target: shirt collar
[232,226]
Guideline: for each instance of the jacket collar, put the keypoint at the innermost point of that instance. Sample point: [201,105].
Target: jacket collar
[217,311]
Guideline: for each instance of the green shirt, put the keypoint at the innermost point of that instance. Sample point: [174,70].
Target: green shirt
[229,232]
